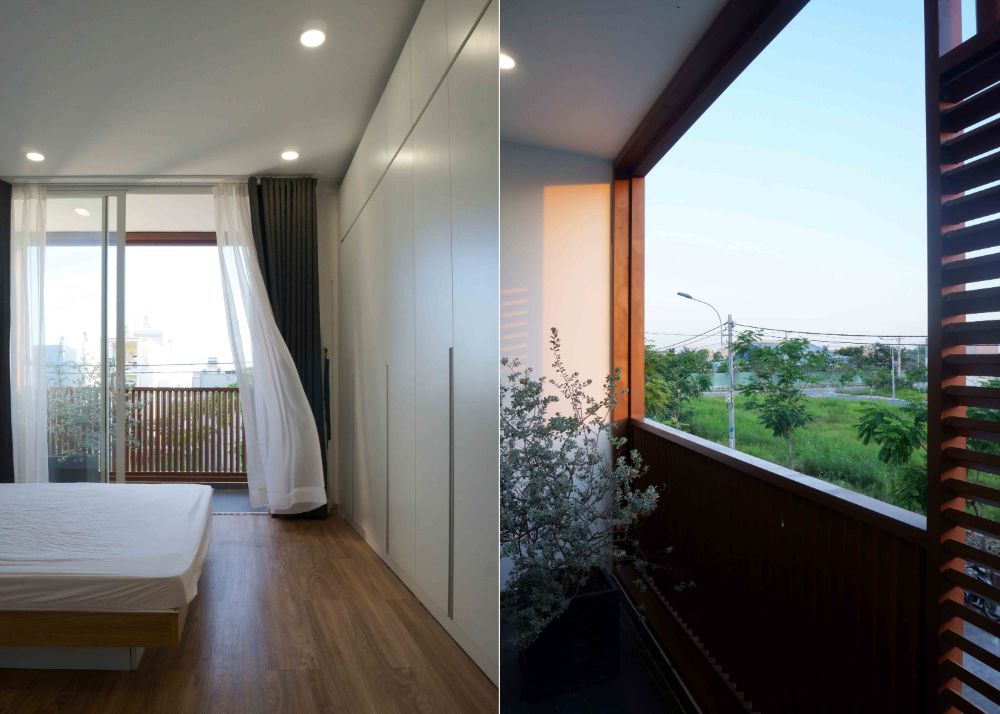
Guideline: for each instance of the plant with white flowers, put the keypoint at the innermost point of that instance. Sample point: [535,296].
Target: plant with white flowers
[567,505]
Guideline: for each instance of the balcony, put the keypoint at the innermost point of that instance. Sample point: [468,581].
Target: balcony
[175,434]
[799,586]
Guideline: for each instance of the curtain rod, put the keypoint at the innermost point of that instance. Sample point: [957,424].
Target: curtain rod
[151,180]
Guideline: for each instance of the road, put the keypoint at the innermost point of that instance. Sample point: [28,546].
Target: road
[832,393]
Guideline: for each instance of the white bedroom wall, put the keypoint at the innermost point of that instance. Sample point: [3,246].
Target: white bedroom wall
[555,261]
[417,436]
[555,258]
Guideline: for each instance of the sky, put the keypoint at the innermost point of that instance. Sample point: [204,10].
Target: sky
[175,289]
[797,201]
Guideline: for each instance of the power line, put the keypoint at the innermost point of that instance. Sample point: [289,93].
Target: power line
[692,338]
[781,334]
[832,334]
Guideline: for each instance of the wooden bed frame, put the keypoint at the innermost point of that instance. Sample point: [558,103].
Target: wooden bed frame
[91,629]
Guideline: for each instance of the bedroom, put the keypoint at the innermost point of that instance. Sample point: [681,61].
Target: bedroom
[210,497]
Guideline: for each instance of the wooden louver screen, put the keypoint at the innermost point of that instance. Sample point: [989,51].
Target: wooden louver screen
[964,256]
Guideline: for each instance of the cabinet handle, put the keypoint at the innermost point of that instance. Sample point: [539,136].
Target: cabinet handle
[387,459]
[451,483]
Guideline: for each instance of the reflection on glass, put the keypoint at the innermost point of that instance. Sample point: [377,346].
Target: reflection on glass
[73,336]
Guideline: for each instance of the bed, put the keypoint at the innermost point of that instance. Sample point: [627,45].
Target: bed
[86,565]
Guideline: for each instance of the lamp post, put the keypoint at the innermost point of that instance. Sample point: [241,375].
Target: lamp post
[729,356]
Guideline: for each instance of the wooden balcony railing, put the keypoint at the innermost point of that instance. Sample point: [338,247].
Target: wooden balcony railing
[185,434]
[806,596]
[176,434]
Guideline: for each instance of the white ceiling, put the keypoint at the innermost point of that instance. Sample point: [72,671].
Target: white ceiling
[589,70]
[191,87]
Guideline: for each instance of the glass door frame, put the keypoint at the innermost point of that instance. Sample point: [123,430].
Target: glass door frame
[105,194]
[120,193]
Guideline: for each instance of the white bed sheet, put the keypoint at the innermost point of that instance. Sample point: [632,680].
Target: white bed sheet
[102,547]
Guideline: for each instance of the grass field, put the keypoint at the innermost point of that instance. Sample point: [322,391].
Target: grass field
[827,448]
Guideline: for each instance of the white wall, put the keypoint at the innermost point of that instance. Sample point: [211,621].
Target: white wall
[555,261]
[417,435]
[555,258]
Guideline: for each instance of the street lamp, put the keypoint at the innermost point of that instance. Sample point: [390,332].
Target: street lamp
[729,352]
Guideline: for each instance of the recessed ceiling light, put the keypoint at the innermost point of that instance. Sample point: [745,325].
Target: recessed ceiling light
[506,61]
[312,38]
[289,155]
[81,211]
[34,156]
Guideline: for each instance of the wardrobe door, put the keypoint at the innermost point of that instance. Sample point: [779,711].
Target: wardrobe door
[347,264]
[475,253]
[462,15]
[432,303]
[398,185]
[370,410]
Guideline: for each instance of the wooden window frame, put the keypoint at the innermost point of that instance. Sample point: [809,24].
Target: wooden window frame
[735,38]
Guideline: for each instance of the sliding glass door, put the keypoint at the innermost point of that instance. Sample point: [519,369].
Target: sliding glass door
[140,378]
[83,345]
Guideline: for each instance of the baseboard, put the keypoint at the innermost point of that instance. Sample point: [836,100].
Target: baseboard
[489,664]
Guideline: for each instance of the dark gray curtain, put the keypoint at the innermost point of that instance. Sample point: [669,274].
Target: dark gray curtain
[283,218]
[6,432]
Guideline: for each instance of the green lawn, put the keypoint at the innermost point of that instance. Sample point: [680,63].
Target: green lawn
[827,448]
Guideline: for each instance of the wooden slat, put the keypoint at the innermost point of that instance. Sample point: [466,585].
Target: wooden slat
[951,609]
[973,428]
[971,270]
[987,365]
[970,69]
[971,302]
[979,460]
[980,236]
[951,698]
[188,477]
[982,525]
[971,584]
[982,332]
[972,111]
[954,669]
[972,205]
[967,552]
[972,143]
[988,397]
[971,175]
[953,639]
[192,432]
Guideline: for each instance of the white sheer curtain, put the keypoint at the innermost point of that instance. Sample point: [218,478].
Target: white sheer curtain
[29,395]
[284,467]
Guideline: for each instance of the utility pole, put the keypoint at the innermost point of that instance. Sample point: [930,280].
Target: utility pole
[730,397]
[892,369]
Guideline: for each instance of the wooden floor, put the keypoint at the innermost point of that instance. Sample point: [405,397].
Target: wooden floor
[292,616]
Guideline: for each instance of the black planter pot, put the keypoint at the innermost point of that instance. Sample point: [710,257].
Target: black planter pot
[72,469]
[578,648]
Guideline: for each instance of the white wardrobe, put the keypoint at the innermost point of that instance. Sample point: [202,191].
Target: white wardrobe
[418,344]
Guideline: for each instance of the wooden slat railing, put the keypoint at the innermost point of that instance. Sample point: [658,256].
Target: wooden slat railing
[807,596]
[176,434]
[185,434]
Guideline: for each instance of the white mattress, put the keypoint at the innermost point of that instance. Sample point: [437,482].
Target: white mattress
[102,547]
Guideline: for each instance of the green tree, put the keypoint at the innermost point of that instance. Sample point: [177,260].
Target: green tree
[673,378]
[901,435]
[774,391]
[870,363]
